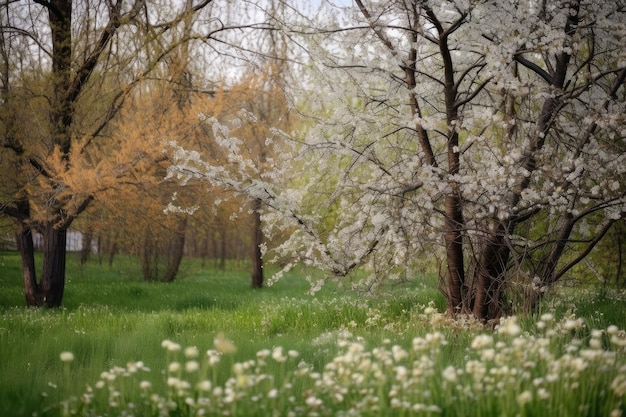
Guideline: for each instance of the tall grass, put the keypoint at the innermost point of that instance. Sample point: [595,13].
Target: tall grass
[119,347]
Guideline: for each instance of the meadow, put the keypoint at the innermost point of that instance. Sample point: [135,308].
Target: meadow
[208,344]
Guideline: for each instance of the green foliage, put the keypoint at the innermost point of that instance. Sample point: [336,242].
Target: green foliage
[327,353]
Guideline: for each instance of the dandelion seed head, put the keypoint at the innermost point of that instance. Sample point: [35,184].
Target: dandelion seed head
[213,357]
[263,354]
[449,374]
[170,346]
[66,356]
[399,353]
[509,326]
[524,397]
[618,386]
[224,345]
[204,386]
[277,354]
[191,352]
[174,367]
[595,343]
[488,354]
[192,366]
[482,341]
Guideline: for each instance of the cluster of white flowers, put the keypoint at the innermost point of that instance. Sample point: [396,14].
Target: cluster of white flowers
[499,372]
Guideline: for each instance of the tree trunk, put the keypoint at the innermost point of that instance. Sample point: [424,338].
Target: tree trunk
[487,303]
[32,290]
[222,256]
[619,282]
[175,255]
[85,250]
[257,256]
[53,273]
[455,277]
[149,258]
[111,250]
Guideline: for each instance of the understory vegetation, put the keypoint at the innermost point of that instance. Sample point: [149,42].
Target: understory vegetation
[208,344]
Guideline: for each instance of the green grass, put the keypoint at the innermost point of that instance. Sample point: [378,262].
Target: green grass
[111,318]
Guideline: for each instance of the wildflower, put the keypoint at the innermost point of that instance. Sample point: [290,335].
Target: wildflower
[618,340]
[214,356]
[399,353]
[476,369]
[419,344]
[619,383]
[595,343]
[192,366]
[224,345]
[277,354]
[572,324]
[263,354]
[449,374]
[204,385]
[402,373]
[170,346]
[174,367]
[481,341]
[191,352]
[595,333]
[133,367]
[488,354]
[543,393]
[145,385]
[430,309]
[509,326]
[578,365]
[313,401]
[273,393]
[436,339]
[67,356]
[612,330]
[524,397]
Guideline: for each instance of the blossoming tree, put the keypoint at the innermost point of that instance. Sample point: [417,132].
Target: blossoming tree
[489,133]
[66,69]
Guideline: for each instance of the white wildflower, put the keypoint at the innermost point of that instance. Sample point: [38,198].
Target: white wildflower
[450,374]
[524,397]
[191,352]
[174,367]
[509,326]
[192,366]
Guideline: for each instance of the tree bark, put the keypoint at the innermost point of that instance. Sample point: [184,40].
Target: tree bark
[149,264]
[32,290]
[53,273]
[85,250]
[488,275]
[177,249]
[257,256]
[455,277]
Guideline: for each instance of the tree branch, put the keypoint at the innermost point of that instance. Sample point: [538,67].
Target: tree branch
[533,67]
